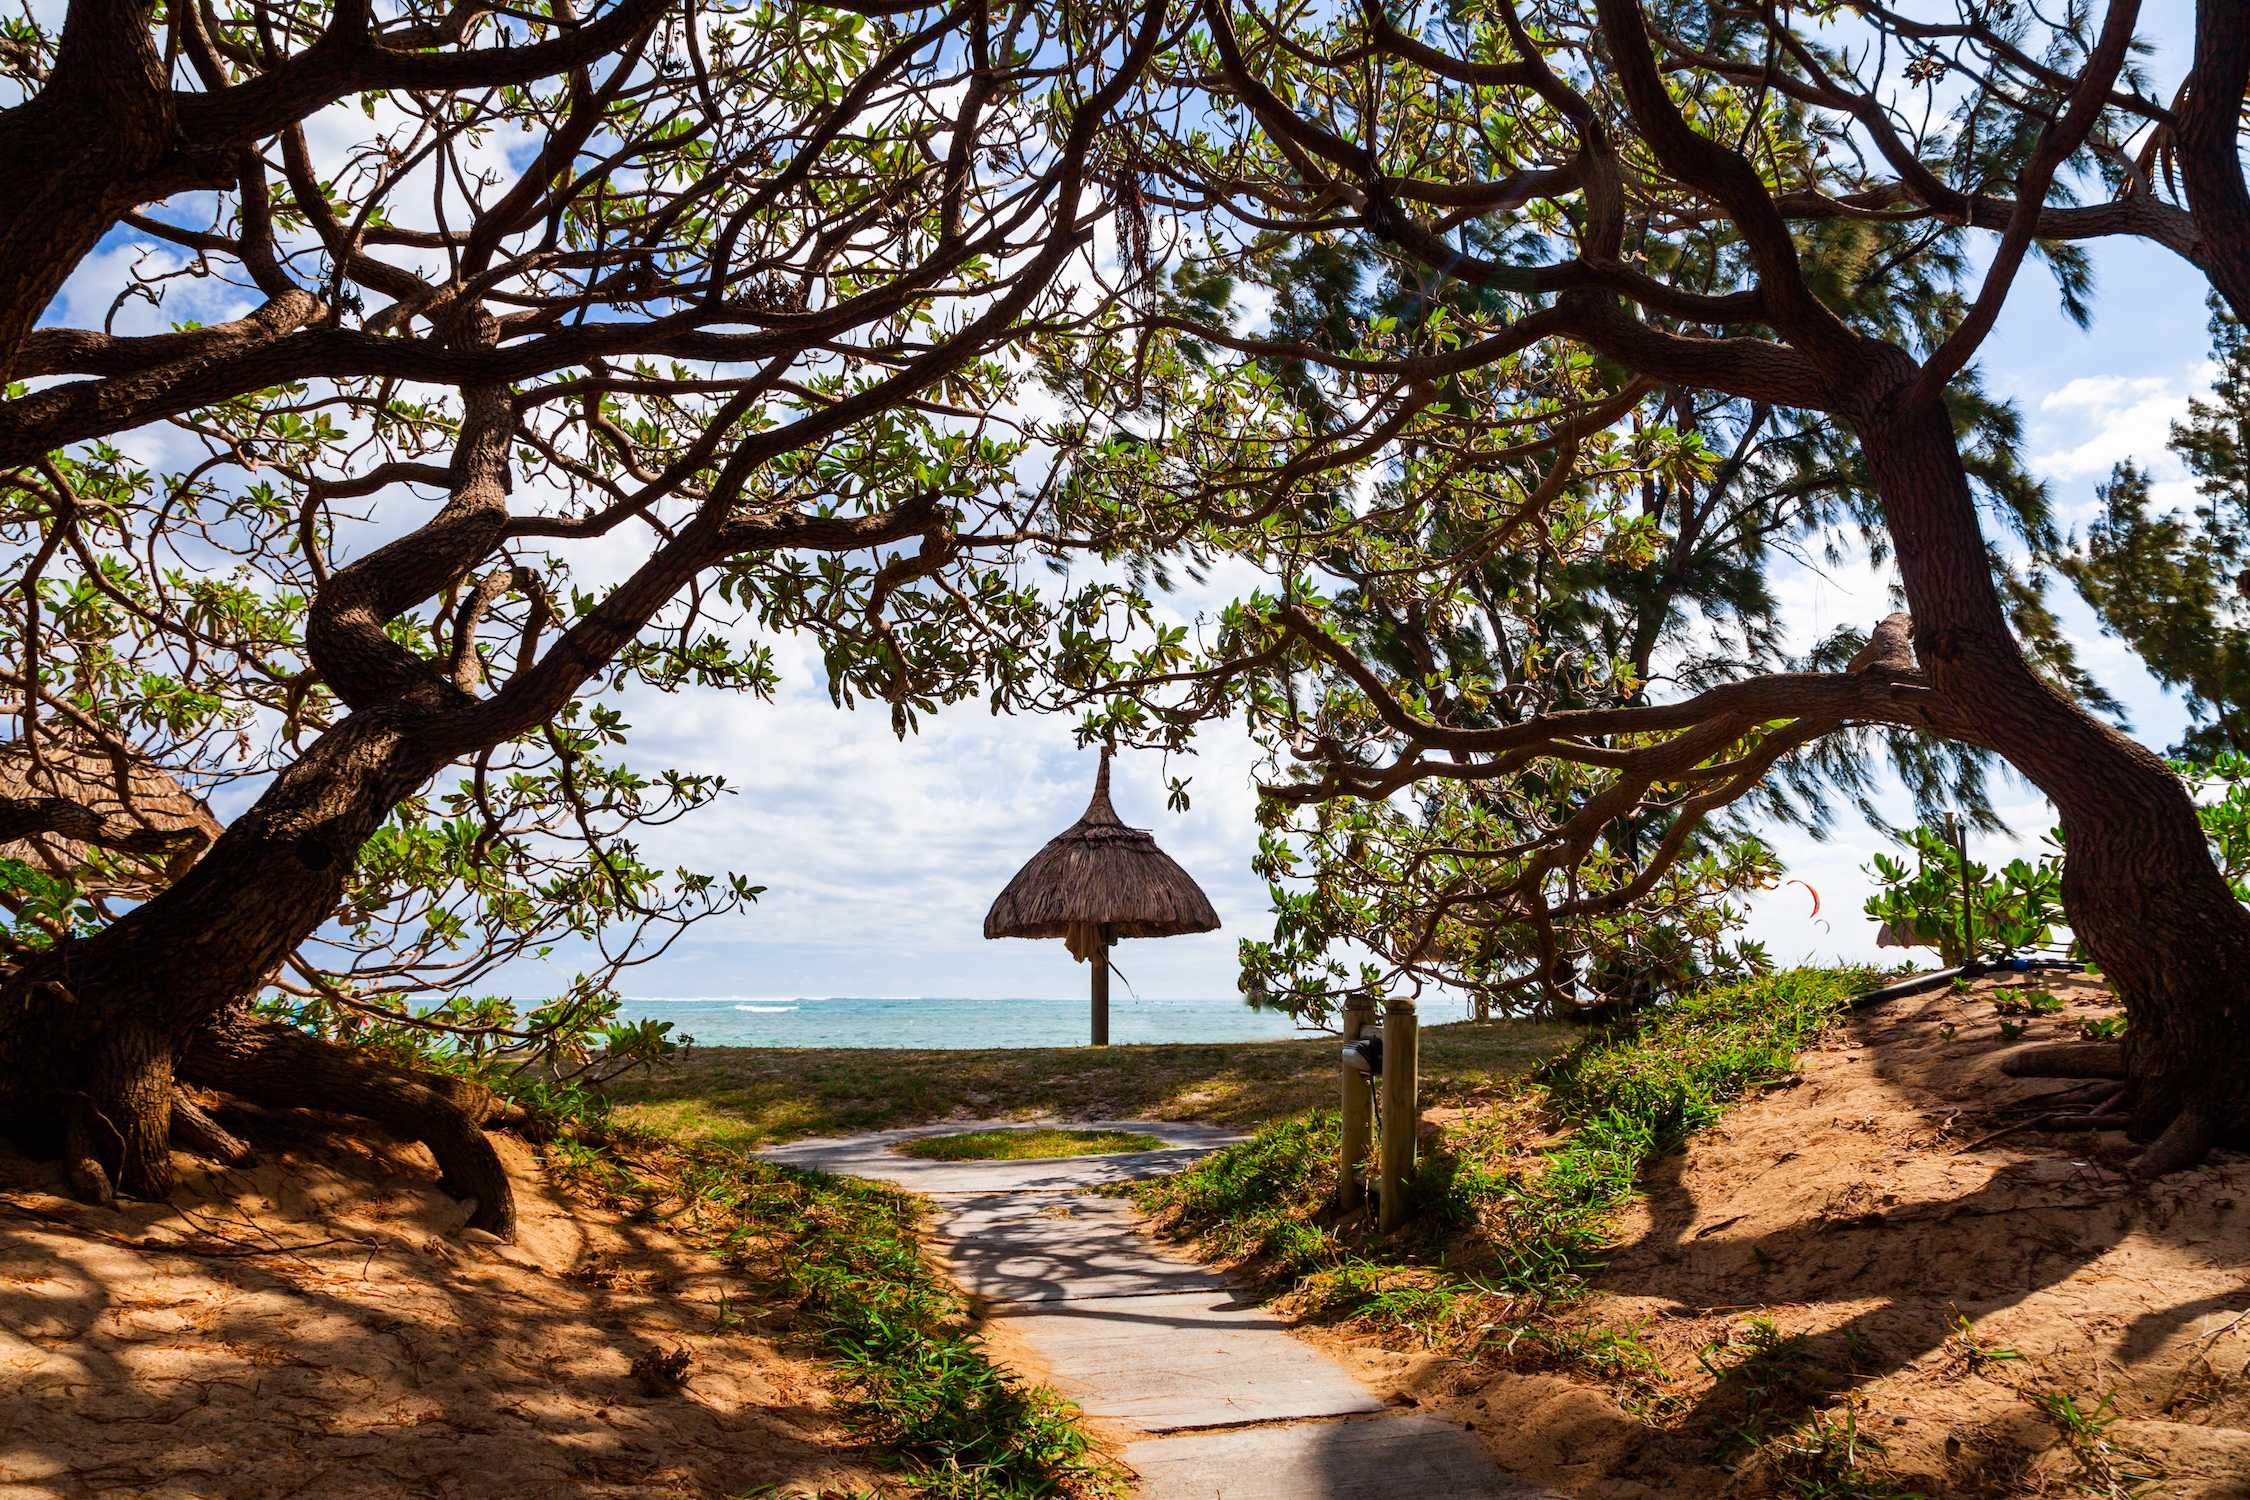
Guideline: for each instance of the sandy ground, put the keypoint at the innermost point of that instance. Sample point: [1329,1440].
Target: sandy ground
[316,1325]
[1852,1206]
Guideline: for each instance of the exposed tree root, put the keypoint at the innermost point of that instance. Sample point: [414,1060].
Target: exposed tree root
[2067,1060]
[2101,1096]
[82,1160]
[2094,1117]
[2086,1122]
[2184,1143]
[193,1130]
[273,1064]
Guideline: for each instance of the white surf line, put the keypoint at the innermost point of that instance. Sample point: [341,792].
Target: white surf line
[1211,1396]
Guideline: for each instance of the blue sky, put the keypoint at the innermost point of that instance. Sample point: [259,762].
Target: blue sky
[881,855]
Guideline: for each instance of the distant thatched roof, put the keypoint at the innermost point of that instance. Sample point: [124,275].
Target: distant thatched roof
[1099,871]
[76,768]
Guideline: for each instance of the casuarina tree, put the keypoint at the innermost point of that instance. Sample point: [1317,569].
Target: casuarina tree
[1599,200]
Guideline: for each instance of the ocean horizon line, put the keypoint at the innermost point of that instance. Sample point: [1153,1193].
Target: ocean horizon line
[973,999]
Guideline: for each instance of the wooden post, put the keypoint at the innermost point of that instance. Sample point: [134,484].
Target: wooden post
[1401,1108]
[1960,832]
[1359,1106]
[1101,992]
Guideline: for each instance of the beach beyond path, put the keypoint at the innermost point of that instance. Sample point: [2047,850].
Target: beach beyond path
[1205,1395]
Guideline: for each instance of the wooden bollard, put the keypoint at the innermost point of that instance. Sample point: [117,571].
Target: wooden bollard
[1359,1105]
[1401,1108]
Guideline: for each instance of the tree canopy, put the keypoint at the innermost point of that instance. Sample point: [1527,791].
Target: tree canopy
[569,353]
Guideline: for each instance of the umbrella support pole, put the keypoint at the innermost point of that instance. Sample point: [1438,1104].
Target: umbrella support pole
[1101,996]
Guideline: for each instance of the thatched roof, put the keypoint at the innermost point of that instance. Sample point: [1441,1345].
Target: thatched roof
[1099,871]
[74,767]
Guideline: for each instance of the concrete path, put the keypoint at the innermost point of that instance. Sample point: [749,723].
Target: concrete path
[1211,1396]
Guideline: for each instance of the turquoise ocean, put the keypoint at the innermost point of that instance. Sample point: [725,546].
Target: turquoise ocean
[933,1021]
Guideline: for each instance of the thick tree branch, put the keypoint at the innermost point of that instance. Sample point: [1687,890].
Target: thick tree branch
[22,817]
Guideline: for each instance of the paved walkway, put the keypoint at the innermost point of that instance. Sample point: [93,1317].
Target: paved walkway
[1212,1398]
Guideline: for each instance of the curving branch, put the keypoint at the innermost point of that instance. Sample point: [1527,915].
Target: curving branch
[22,817]
[1678,763]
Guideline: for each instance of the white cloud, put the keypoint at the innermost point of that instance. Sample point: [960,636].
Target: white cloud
[2095,422]
[881,856]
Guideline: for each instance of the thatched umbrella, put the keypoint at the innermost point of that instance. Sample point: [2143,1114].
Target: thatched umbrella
[1095,882]
[159,825]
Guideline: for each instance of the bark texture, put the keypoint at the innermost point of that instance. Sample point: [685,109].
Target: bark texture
[2208,131]
[101,138]
[194,1130]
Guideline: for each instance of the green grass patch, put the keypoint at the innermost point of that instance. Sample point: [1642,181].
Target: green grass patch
[1515,1199]
[747,1097]
[1037,1144]
[847,1254]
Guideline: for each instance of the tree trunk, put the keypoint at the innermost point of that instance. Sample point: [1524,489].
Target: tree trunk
[2207,130]
[131,1083]
[91,1030]
[2139,884]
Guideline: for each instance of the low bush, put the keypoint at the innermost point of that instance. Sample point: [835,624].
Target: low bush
[1514,1201]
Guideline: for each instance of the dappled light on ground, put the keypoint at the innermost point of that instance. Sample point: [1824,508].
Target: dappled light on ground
[317,1326]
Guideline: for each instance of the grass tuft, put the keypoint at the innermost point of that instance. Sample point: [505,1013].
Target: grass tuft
[1041,1144]
[2105,1466]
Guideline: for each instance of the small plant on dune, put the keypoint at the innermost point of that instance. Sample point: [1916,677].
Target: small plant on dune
[1973,1349]
[1827,1457]
[1763,1351]
[1761,1377]
[2105,1467]
[2028,1002]
[2102,1029]
[2012,1031]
